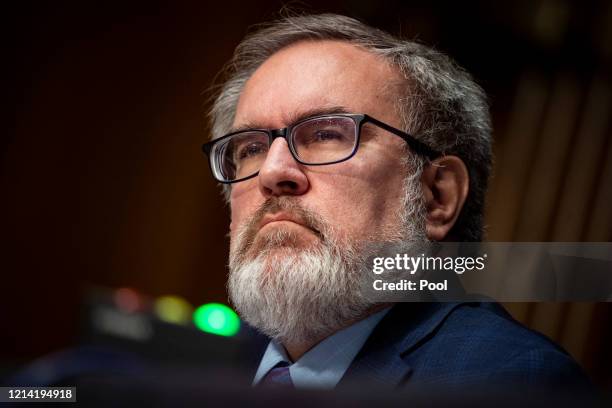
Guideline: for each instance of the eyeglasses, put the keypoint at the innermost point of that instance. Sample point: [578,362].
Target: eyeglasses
[314,141]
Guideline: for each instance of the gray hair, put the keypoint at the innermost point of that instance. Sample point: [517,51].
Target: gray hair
[439,102]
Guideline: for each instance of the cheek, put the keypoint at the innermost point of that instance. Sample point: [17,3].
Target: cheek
[243,204]
[359,198]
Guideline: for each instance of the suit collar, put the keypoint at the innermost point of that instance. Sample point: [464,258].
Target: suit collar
[380,363]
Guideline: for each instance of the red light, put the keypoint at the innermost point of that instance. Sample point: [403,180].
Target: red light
[127,300]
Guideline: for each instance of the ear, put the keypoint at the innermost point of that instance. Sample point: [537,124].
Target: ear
[445,185]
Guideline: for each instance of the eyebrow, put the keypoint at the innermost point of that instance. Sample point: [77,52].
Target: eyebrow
[296,117]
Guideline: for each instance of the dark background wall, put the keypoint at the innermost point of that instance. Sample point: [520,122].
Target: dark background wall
[102,181]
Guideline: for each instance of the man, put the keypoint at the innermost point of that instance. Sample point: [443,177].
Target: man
[330,135]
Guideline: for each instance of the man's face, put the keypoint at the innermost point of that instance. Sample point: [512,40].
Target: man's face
[298,232]
[361,197]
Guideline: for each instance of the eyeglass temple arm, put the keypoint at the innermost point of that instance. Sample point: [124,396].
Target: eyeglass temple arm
[415,144]
[207,147]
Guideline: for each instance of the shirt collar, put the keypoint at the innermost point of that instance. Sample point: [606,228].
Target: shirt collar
[324,365]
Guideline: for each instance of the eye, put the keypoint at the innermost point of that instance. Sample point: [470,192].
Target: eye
[316,136]
[251,149]
[326,134]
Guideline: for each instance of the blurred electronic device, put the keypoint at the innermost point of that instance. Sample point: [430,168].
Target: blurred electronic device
[165,329]
[124,333]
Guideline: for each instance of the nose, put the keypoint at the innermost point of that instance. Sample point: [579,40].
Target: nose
[280,174]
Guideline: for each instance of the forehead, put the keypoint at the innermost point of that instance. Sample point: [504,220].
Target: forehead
[312,75]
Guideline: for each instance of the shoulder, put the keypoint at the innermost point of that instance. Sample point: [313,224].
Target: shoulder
[482,342]
[489,326]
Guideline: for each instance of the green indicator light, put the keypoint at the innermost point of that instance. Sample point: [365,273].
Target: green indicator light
[216,318]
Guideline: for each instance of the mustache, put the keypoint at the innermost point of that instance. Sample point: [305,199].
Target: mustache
[308,218]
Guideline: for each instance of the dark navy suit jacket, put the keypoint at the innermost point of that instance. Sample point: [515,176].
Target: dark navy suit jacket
[457,345]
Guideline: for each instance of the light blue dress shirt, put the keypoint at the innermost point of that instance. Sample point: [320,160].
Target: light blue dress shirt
[324,365]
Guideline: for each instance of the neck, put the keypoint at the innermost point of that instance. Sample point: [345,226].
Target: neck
[296,349]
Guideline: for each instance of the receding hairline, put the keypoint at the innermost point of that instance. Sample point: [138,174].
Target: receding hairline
[391,89]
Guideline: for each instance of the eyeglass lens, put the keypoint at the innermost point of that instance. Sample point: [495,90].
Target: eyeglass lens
[316,141]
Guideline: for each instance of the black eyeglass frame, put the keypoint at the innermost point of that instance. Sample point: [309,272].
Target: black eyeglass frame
[360,119]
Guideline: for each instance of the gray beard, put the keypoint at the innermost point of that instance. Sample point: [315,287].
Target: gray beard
[297,295]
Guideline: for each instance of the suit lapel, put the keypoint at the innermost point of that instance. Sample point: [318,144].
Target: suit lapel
[380,363]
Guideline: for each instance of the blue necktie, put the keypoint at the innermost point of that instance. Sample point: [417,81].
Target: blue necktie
[277,377]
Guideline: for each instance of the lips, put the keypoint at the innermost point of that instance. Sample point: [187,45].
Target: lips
[280,217]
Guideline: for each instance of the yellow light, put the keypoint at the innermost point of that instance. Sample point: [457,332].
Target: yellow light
[173,309]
